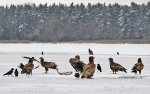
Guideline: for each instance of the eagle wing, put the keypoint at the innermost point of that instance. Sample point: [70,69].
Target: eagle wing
[88,70]
[51,65]
[77,64]
[117,67]
[26,57]
[31,58]
[73,63]
[36,60]
[138,66]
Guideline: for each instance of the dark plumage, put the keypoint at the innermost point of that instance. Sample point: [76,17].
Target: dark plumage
[31,59]
[91,59]
[99,67]
[138,66]
[27,71]
[47,65]
[24,69]
[16,73]
[9,72]
[90,51]
[77,75]
[77,64]
[115,67]
[42,53]
[117,53]
[21,65]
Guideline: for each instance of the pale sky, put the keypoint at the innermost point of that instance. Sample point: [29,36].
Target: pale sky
[123,2]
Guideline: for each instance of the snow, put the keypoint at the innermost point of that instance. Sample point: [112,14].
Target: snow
[53,83]
[133,49]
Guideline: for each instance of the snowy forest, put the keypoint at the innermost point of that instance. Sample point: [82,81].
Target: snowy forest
[57,23]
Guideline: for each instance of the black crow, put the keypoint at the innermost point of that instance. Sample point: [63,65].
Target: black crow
[9,72]
[42,53]
[77,75]
[21,66]
[16,73]
[99,67]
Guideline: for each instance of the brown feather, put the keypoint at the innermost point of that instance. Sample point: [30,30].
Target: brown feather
[115,67]
[90,51]
[138,66]
[47,65]
[89,69]
[76,63]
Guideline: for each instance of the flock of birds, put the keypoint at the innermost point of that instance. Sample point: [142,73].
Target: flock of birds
[82,70]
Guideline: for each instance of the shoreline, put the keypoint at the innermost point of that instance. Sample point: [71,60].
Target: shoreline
[125,41]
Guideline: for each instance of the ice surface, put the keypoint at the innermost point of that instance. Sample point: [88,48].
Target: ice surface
[129,49]
[53,83]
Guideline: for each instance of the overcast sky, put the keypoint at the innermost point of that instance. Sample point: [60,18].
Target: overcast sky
[8,2]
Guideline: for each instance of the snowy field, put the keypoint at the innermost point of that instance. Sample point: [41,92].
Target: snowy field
[53,83]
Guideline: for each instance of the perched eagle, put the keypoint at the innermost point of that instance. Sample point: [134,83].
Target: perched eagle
[47,65]
[90,51]
[115,67]
[77,64]
[138,66]
[89,69]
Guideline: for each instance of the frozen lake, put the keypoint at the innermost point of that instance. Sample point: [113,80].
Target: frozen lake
[53,83]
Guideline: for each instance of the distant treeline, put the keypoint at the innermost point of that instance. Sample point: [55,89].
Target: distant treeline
[58,23]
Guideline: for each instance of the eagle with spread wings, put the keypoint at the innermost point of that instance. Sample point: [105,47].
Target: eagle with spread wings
[27,68]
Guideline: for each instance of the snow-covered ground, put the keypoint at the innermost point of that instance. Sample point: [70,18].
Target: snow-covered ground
[53,83]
